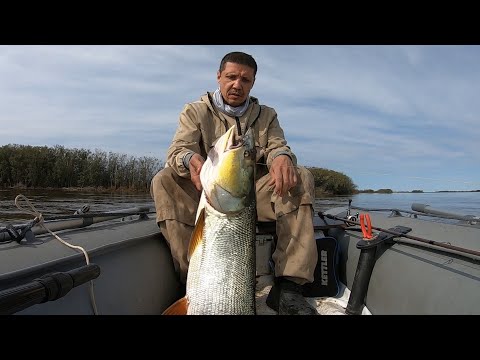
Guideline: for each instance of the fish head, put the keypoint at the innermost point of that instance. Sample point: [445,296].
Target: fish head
[228,174]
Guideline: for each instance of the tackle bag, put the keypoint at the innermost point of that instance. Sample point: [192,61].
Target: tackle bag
[326,281]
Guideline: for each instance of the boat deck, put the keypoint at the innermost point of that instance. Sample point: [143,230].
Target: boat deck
[324,305]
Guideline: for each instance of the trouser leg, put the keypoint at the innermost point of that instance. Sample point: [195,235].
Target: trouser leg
[295,255]
[178,236]
[176,201]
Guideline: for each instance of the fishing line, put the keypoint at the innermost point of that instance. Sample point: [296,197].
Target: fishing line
[40,221]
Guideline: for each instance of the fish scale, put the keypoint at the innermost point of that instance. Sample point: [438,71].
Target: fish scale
[222,270]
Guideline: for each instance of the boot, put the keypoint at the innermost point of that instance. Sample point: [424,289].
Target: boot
[285,297]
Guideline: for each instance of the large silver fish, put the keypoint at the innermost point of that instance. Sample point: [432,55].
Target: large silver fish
[221,273]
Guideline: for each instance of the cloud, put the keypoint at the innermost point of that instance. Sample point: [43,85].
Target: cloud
[407,111]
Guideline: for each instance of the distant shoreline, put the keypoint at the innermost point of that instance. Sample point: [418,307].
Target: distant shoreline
[389,191]
[438,191]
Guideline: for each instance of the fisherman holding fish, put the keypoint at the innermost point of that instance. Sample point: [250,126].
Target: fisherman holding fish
[284,191]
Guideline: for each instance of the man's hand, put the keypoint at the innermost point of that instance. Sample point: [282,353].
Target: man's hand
[195,165]
[283,174]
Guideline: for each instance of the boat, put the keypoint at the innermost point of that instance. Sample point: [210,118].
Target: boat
[371,261]
[420,262]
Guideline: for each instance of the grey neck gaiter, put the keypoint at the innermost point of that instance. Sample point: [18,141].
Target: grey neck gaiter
[227,109]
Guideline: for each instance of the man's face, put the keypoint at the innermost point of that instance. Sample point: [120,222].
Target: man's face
[235,82]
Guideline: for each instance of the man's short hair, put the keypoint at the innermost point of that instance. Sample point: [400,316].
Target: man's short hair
[239,57]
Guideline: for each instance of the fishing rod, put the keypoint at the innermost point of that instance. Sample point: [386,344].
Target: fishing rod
[97,214]
[425,210]
[49,287]
[412,237]
[75,221]
[398,211]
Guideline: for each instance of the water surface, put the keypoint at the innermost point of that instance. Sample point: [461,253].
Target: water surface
[58,202]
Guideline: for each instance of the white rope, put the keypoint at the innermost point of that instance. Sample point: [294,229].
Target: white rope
[39,220]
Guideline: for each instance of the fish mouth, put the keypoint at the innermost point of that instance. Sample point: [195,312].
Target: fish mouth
[236,141]
[248,143]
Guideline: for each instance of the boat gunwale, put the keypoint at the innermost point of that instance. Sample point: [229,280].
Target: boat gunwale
[27,272]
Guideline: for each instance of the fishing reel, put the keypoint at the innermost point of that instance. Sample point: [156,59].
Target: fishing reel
[353,218]
[84,209]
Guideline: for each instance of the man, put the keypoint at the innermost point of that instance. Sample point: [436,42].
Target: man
[285,191]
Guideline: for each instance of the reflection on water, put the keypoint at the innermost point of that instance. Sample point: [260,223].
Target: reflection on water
[58,202]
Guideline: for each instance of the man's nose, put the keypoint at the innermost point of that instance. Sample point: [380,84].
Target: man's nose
[237,84]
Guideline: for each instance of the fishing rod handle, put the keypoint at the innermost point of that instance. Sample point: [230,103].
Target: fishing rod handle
[49,287]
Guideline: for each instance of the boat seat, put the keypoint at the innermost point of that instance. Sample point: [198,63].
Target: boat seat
[265,245]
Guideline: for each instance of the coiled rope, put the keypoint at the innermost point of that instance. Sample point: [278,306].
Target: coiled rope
[40,221]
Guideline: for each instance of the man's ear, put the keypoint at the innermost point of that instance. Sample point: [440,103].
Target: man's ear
[219,74]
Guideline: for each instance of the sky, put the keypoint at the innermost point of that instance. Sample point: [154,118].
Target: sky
[388,116]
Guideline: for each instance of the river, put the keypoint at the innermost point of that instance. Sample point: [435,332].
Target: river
[57,202]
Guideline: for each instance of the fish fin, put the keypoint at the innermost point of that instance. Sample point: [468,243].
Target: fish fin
[179,307]
[201,205]
[197,234]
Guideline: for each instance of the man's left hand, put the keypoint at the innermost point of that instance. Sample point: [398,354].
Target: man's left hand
[283,174]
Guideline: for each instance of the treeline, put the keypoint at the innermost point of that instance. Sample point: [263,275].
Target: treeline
[58,167]
[381,191]
[329,182]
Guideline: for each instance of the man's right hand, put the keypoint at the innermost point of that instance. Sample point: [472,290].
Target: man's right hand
[195,165]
